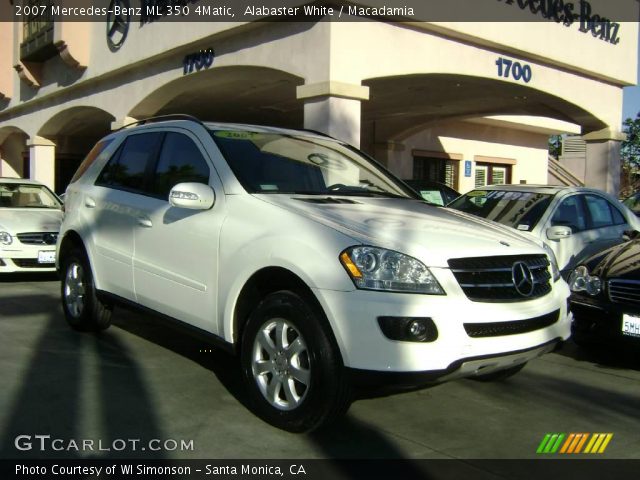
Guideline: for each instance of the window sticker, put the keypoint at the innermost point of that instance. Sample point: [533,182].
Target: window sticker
[236,135]
[523,226]
[478,193]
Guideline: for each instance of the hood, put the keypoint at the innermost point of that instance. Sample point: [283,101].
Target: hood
[432,234]
[23,220]
[620,261]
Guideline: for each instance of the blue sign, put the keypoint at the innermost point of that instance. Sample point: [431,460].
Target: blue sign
[467,168]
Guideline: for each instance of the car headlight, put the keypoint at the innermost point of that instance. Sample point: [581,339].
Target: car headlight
[581,281]
[373,268]
[6,238]
[555,271]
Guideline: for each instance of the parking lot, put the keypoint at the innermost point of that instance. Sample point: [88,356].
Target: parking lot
[138,380]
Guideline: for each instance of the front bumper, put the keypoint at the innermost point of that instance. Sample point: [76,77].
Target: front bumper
[598,319]
[24,258]
[353,317]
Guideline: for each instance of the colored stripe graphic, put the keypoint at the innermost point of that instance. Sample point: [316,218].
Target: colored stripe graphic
[550,443]
[574,443]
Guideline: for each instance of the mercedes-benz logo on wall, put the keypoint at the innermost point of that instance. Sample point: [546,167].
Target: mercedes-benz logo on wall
[522,279]
[117,25]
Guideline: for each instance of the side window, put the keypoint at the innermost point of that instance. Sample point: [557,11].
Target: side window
[570,213]
[599,211]
[127,167]
[618,218]
[180,161]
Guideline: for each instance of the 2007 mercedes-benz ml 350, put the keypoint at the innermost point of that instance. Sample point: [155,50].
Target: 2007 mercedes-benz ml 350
[306,258]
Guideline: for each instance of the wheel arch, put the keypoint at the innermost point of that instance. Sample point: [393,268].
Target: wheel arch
[263,282]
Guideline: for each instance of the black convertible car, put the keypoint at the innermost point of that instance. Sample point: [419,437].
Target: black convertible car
[605,298]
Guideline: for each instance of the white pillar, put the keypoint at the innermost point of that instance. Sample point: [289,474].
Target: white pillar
[42,161]
[123,122]
[602,165]
[334,108]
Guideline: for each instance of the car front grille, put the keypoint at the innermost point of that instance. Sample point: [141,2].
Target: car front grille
[491,279]
[38,238]
[499,329]
[625,291]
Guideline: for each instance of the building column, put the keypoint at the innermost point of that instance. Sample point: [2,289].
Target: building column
[602,164]
[334,108]
[42,161]
[120,123]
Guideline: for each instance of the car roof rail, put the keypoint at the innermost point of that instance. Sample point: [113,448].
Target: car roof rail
[317,132]
[163,118]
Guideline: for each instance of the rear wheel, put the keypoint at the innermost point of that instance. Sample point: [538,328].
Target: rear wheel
[291,364]
[82,308]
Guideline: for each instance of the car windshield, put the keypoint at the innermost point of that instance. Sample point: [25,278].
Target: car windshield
[288,163]
[25,195]
[520,210]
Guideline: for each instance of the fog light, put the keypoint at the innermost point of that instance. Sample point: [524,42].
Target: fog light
[408,329]
[417,328]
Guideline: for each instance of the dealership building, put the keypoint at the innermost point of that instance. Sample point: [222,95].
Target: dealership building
[464,103]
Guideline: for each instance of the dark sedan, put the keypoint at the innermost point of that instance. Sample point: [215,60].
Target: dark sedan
[605,298]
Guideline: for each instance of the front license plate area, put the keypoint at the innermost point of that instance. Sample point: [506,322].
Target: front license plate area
[630,325]
[50,257]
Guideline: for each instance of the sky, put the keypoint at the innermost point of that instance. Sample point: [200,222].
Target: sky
[631,99]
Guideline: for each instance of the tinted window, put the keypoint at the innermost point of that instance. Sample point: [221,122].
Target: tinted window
[600,211]
[570,213]
[127,167]
[180,161]
[521,210]
[618,218]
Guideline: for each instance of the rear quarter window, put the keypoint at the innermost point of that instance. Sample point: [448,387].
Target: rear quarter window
[91,157]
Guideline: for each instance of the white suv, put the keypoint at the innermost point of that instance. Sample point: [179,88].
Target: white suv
[306,258]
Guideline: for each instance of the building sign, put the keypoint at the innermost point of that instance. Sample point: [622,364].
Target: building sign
[197,61]
[118,20]
[568,13]
[467,168]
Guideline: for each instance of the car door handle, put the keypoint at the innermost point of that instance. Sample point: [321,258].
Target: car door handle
[145,222]
[89,202]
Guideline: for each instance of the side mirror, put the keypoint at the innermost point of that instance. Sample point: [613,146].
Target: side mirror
[630,235]
[195,196]
[558,232]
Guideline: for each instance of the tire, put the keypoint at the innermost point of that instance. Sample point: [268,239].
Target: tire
[500,374]
[82,308]
[291,364]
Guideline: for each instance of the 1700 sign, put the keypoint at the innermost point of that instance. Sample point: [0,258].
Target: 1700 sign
[512,69]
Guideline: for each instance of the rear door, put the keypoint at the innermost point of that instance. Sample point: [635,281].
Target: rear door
[112,208]
[595,224]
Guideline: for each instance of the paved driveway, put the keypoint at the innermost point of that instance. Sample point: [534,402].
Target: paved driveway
[139,380]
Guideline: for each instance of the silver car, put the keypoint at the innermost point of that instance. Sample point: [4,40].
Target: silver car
[30,217]
[575,222]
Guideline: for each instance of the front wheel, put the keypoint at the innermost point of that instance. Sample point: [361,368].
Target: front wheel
[82,308]
[291,364]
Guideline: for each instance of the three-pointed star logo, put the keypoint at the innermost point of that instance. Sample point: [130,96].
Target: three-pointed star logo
[117,25]
[522,278]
